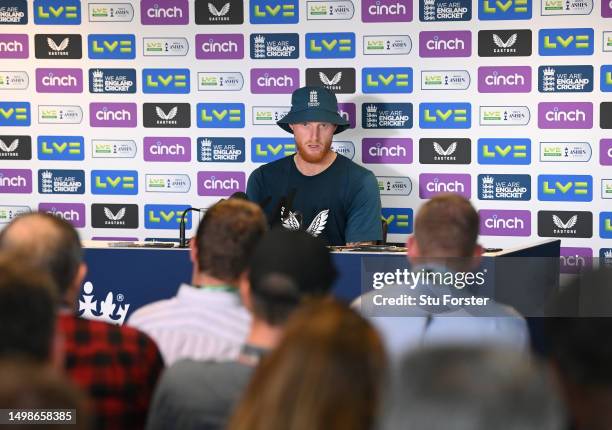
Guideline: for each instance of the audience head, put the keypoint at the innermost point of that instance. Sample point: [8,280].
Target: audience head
[324,374]
[226,238]
[471,388]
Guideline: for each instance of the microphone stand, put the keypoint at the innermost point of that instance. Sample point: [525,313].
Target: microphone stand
[182,239]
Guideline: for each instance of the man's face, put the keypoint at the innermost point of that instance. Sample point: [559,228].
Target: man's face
[313,139]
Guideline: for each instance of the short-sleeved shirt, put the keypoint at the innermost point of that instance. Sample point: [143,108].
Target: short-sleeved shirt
[339,205]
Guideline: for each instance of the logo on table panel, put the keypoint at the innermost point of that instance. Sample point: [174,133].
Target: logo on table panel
[59,80]
[14,114]
[109,215]
[387,45]
[399,220]
[565,115]
[565,188]
[386,150]
[106,310]
[10,80]
[445,115]
[15,147]
[219,12]
[504,115]
[565,79]
[432,184]
[15,181]
[565,152]
[504,10]
[445,10]
[61,148]
[385,80]
[164,183]
[57,12]
[566,41]
[605,115]
[14,46]
[433,44]
[504,151]
[166,115]
[386,115]
[164,12]
[445,151]
[111,46]
[574,260]
[330,10]
[74,213]
[274,81]
[165,47]
[220,184]
[175,149]
[504,187]
[504,79]
[577,224]
[220,115]
[268,115]
[57,46]
[266,149]
[605,225]
[110,12]
[330,45]
[497,222]
[348,111]
[394,185]
[8,213]
[165,81]
[504,43]
[605,152]
[219,46]
[386,10]
[274,46]
[568,7]
[166,217]
[103,148]
[221,149]
[274,11]
[346,148]
[59,114]
[112,114]
[61,181]
[337,80]
[14,12]
[120,182]
[606,188]
[220,81]
[112,81]
[445,79]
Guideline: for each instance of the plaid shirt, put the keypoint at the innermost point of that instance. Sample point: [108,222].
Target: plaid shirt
[117,366]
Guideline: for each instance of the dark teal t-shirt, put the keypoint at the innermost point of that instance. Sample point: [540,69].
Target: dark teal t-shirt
[339,205]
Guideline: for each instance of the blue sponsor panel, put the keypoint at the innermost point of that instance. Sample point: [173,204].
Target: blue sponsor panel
[445,10]
[445,115]
[383,80]
[56,181]
[504,187]
[605,225]
[166,217]
[111,46]
[220,115]
[266,149]
[112,81]
[565,188]
[386,115]
[165,81]
[399,220]
[566,41]
[14,12]
[61,148]
[489,10]
[114,182]
[504,151]
[330,45]
[221,149]
[605,80]
[565,79]
[57,12]
[274,11]
[275,46]
[15,114]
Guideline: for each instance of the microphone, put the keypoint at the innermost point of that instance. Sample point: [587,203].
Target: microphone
[182,240]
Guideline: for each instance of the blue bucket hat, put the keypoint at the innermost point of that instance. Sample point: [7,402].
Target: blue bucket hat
[313,104]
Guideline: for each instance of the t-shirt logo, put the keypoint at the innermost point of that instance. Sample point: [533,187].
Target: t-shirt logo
[292,221]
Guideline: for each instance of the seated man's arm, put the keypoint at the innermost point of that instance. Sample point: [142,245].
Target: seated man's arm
[364,226]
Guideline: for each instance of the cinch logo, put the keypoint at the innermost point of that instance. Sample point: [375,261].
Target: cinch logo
[164,12]
[110,215]
[386,150]
[605,115]
[504,151]
[112,46]
[559,115]
[15,147]
[386,80]
[330,10]
[565,188]
[220,115]
[399,220]
[275,46]
[348,112]
[219,46]
[274,81]
[59,80]
[605,152]
[58,46]
[274,11]
[445,151]
[606,79]
[14,114]
[162,183]
[445,80]
[432,184]
[504,187]
[216,12]
[221,149]
[509,79]
[167,149]
[386,115]
[61,181]
[18,181]
[578,224]
[434,44]
[386,10]
[14,12]
[165,81]
[330,45]
[111,12]
[112,81]
[112,114]
[565,151]
[500,9]
[504,43]
[57,12]
[605,225]
[337,80]
[504,222]
[69,148]
[166,115]
[14,46]
[504,115]
[445,10]
[565,79]
[566,41]
[165,47]
[123,182]
[266,149]
[574,260]
[166,217]
[445,115]
[220,184]
[74,213]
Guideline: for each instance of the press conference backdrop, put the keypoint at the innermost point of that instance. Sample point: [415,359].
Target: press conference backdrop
[117,116]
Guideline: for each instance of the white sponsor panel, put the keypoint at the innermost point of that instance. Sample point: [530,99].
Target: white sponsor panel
[394,185]
[7,212]
[13,80]
[567,7]
[607,41]
[167,183]
[565,151]
[445,79]
[344,147]
[103,148]
[606,188]
[59,114]
[165,47]
[110,12]
[387,45]
[220,81]
[504,115]
[268,115]
[330,10]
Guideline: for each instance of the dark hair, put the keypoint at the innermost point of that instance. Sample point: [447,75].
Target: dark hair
[227,236]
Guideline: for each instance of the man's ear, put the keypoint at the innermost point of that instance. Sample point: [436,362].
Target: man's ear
[193,251]
[413,247]
[245,290]
[291,127]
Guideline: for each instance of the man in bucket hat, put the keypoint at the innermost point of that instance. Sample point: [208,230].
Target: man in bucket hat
[316,189]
